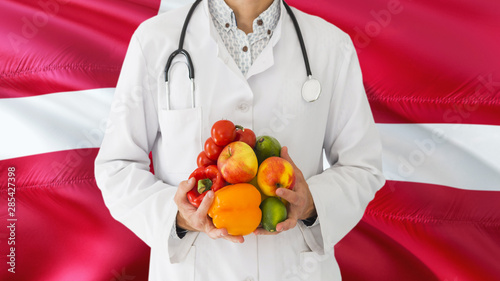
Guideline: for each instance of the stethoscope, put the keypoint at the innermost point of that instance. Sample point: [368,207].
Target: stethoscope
[311,89]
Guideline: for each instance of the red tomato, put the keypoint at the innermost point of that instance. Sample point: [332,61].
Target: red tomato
[247,136]
[223,132]
[212,150]
[203,160]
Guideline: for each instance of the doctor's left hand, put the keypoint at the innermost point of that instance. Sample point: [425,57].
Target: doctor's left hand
[300,201]
[196,219]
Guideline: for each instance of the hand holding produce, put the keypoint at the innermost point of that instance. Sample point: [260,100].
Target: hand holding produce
[232,158]
[193,218]
[300,201]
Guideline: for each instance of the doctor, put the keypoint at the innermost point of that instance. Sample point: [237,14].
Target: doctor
[249,69]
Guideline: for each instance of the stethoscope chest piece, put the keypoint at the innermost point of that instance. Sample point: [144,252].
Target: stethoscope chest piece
[311,89]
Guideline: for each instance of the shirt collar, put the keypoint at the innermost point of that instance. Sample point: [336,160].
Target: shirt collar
[265,23]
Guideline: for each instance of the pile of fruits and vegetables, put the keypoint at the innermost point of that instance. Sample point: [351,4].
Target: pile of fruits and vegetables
[244,172]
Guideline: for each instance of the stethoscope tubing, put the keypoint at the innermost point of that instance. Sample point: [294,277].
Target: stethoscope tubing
[180,49]
[301,39]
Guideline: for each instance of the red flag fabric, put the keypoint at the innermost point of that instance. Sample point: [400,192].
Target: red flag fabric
[431,74]
[58,60]
[62,229]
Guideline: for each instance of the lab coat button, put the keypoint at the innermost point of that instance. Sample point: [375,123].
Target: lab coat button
[243,107]
[249,278]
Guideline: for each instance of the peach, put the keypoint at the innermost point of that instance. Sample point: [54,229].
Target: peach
[273,173]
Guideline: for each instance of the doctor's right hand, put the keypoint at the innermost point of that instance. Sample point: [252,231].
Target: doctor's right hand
[196,219]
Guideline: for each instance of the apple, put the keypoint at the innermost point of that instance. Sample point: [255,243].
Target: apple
[237,163]
[275,172]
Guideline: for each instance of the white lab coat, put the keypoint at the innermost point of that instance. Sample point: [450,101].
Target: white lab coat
[269,101]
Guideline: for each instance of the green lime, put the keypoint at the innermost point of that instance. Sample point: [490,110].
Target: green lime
[265,147]
[273,212]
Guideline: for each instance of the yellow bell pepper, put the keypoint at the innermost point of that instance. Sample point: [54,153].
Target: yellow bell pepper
[236,208]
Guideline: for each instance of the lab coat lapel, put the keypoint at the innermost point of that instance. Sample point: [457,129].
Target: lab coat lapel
[264,61]
[222,52]
[266,58]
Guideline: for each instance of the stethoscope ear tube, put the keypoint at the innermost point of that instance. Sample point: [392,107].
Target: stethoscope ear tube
[301,39]
[189,65]
[183,52]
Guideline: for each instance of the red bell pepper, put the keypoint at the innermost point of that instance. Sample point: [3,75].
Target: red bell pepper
[207,178]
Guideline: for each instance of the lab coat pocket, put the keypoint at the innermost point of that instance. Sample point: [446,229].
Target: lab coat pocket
[310,265]
[188,270]
[318,267]
[181,140]
[161,269]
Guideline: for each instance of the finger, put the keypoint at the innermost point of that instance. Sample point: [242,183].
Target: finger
[205,204]
[291,196]
[284,154]
[184,188]
[298,173]
[222,233]
[286,225]
[235,239]
[180,197]
[262,231]
[216,233]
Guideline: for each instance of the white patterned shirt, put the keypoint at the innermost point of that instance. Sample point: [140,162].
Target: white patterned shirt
[244,48]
